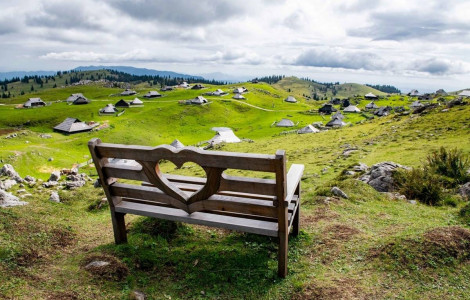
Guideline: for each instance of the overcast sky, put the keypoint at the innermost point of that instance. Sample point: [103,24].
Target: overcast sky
[407,43]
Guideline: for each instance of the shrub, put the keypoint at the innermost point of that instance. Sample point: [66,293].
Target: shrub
[419,184]
[449,163]
[465,214]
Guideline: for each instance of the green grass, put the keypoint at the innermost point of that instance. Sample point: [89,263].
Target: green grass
[338,253]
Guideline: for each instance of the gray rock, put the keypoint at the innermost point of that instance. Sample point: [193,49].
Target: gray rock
[137,295]
[361,168]
[380,176]
[7,184]
[97,264]
[97,183]
[412,202]
[74,184]
[30,179]
[50,184]
[21,191]
[45,136]
[9,171]
[25,195]
[55,176]
[464,190]
[50,159]
[54,197]
[349,173]
[338,192]
[8,200]
[396,196]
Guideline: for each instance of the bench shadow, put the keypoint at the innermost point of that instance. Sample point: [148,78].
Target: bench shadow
[199,259]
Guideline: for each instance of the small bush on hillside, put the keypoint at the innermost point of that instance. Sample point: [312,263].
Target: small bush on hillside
[465,214]
[450,163]
[420,184]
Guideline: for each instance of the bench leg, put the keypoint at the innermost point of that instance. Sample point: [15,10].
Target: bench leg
[296,224]
[119,227]
[282,255]
[296,221]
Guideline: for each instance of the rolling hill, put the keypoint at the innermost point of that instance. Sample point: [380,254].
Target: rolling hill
[305,88]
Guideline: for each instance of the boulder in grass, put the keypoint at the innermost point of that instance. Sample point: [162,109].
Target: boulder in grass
[55,176]
[338,192]
[380,176]
[464,190]
[8,200]
[7,184]
[54,197]
[8,170]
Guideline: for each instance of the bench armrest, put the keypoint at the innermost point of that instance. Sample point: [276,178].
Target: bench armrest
[293,178]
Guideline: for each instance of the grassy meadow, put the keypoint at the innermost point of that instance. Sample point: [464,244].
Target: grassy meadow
[364,247]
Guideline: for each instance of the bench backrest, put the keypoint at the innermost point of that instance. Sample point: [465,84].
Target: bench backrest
[219,192]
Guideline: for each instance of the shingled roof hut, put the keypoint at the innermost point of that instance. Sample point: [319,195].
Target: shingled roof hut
[128,92]
[225,135]
[136,102]
[327,109]
[122,103]
[34,102]
[177,144]
[72,125]
[372,105]
[238,97]
[285,123]
[291,99]
[308,129]
[416,104]
[198,87]
[199,100]
[152,94]
[351,109]
[337,115]
[109,109]
[370,96]
[77,99]
[335,123]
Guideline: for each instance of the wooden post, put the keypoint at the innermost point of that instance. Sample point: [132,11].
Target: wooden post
[281,187]
[119,225]
[296,224]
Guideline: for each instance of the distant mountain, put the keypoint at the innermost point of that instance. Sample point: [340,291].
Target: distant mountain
[137,71]
[21,74]
[226,77]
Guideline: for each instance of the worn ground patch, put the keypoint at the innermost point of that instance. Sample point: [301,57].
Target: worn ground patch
[338,289]
[438,246]
[340,232]
[114,270]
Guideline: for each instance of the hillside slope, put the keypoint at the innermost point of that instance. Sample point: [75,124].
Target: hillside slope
[303,88]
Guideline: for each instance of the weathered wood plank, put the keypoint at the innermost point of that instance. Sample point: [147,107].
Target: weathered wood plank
[215,202]
[228,183]
[213,159]
[293,178]
[227,222]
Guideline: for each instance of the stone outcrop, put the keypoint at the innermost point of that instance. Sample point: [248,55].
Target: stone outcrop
[8,200]
[380,176]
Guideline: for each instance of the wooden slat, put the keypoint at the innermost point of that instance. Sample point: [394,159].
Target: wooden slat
[293,178]
[194,187]
[228,183]
[248,185]
[215,202]
[235,204]
[213,159]
[201,218]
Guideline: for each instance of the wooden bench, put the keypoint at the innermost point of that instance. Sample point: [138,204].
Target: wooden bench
[268,207]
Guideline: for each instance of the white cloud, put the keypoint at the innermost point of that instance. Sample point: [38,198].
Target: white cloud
[399,37]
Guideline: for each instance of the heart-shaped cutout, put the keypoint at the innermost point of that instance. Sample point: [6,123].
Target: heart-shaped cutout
[153,171]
